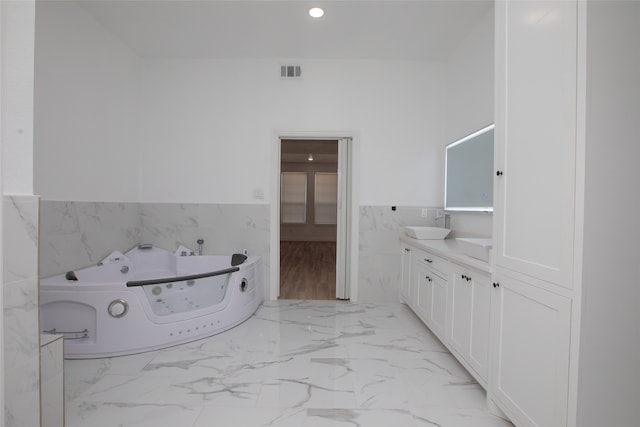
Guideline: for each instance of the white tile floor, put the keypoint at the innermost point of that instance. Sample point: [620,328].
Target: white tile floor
[294,363]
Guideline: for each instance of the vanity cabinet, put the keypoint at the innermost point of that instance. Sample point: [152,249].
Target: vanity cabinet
[468,326]
[431,280]
[452,298]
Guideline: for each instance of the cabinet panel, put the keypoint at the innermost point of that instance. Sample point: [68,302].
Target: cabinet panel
[480,324]
[460,324]
[405,272]
[535,137]
[438,316]
[470,318]
[531,353]
[424,288]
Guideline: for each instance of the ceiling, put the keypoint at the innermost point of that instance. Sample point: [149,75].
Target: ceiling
[361,29]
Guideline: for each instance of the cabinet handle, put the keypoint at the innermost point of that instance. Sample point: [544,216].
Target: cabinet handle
[463,276]
[407,250]
[468,279]
[496,284]
[428,260]
[428,278]
[499,173]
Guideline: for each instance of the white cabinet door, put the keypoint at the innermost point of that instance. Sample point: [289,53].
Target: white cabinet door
[431,298]
[424,291]
[530,354]
[480,324]
[438,317]
[535,137]
[470,318]
[405,272]
[460,307]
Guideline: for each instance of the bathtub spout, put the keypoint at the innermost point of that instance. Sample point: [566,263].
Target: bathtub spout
[200,242]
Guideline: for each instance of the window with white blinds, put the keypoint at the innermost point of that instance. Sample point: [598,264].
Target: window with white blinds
[326,198]
[293,197]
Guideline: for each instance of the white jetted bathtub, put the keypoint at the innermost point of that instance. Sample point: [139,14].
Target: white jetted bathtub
[148,299]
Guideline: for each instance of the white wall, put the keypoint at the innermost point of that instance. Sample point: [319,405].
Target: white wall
[17,96]
[85,108]
[206,127]
[114,127]
[469,105]
[209,126]
[2,357]
[609,384]
[470,81]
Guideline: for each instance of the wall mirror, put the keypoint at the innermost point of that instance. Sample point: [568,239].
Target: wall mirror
[469,172]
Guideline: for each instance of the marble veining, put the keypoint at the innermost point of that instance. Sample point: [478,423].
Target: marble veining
[379,268]
[295,363]
[21,237]
[78,234]
[20,311]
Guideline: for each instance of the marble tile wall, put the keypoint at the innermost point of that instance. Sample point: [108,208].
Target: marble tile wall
[52,380]
[78,234]
[20,311]
[379,262]
[225,228]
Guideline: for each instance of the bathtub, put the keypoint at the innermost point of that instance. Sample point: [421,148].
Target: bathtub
[148,299]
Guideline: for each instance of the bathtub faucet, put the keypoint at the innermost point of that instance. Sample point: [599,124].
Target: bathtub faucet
[200,243]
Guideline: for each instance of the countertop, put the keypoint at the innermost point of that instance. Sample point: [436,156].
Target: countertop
[449,249]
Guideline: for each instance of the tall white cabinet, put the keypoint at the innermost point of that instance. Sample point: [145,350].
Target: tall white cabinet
[534,292]
[535,137]
[564,321]
[564,297]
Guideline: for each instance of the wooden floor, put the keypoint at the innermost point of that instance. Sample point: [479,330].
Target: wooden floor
[308,270]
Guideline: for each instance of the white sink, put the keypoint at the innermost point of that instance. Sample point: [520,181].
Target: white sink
[479,248]
[427,233]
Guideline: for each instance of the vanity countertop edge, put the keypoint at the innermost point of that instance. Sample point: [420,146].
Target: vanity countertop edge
[448,249]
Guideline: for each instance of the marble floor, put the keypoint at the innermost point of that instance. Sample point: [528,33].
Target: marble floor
[294,363]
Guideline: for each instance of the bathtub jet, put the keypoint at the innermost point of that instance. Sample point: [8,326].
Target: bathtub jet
[148,299]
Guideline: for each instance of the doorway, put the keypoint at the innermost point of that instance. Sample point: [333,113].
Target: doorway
[314,184]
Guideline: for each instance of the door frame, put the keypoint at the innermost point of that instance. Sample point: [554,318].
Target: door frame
[351,256]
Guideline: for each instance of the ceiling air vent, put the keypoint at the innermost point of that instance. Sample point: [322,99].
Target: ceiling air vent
[290,71]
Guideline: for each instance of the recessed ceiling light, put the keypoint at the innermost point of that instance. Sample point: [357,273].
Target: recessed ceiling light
[316,12]
[310,157]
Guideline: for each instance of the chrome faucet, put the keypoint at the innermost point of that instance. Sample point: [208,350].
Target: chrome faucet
[200,242]
[446,222]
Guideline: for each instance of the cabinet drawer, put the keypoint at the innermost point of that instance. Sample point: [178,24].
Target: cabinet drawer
[435,263]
